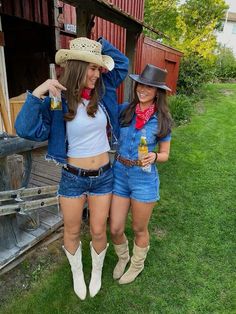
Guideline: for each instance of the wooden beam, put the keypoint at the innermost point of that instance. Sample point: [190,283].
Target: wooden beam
[84,21]
[108,12]
[131,40]
[16,145]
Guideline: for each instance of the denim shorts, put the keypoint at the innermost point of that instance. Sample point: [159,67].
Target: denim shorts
[133,182]
[74,186]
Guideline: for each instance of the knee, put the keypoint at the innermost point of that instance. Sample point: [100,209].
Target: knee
[116,231]
[72,232]
[98,232]
[140,231]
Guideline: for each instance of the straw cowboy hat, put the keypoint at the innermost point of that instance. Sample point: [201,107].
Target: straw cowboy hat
[87,50]
[152,76]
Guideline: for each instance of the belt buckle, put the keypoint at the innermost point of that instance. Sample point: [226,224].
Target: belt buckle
[82,173]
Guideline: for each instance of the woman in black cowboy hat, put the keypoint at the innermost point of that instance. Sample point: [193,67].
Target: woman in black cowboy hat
[136,183]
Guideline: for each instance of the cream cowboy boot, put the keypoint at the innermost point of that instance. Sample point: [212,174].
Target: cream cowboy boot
[96,276]
[136,266]
[77,272]
[122,251]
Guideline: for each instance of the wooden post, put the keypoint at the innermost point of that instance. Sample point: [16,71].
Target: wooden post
[83,21]
[3,77]
[3,112]
[131,41]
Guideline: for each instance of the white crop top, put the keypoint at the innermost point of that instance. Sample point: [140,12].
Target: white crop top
[87,136]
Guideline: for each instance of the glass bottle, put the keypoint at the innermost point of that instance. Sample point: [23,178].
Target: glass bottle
[55,100]
[143,149]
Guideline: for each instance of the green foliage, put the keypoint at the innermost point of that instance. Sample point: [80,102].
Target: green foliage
[194,72]
[189,26]
[161,15]
[198,20]
[225,66]
[181,108]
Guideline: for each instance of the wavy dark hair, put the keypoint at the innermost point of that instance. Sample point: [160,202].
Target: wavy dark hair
[161,105]
[74,79]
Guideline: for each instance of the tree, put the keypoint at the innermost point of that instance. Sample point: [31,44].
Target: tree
[191,26]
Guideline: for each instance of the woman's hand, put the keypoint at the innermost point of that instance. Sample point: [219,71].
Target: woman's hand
[150,158]
[51,86]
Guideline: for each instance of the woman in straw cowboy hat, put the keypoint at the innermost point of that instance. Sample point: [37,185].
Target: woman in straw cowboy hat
[77,139]
[136,184]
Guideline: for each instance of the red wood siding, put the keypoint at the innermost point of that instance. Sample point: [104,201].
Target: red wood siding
[134,7]
[31,10]
[150,51]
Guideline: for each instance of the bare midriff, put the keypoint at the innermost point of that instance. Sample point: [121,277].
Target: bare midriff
[89,163]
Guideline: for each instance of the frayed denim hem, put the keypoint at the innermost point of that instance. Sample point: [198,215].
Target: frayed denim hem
[99,194]
[70,196]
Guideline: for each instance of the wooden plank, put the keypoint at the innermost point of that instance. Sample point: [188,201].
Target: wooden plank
[7,237]
[22,257]
[20,193]
[9,259]
[27,206]
[43,180]
[49,218]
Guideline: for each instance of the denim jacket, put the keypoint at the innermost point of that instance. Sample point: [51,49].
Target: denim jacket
[37,122]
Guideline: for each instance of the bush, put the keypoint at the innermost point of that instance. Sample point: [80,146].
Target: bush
[225,67]
[194,72]
[181,108]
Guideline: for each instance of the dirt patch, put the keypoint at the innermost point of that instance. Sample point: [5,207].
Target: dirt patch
[226,92]
[200,108]
[160,233]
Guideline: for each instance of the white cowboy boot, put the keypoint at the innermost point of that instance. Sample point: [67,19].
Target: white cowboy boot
[136,266]
[122,251]
[77,272]
[96,276]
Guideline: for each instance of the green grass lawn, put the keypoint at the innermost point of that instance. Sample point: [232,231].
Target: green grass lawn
[191,265]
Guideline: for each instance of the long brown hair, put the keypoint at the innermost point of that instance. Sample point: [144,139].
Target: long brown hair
[161,106]
[74,79]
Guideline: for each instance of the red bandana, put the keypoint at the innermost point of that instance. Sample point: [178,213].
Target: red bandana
[142,117]
[86,93]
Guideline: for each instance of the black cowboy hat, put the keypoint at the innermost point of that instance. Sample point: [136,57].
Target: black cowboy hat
[152,76]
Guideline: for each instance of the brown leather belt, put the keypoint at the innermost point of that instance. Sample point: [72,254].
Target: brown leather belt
[87,173]
[128,162]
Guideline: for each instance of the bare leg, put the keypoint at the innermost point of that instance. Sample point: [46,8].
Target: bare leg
[118,215]
[141,213]
[99,209]
[72,209]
